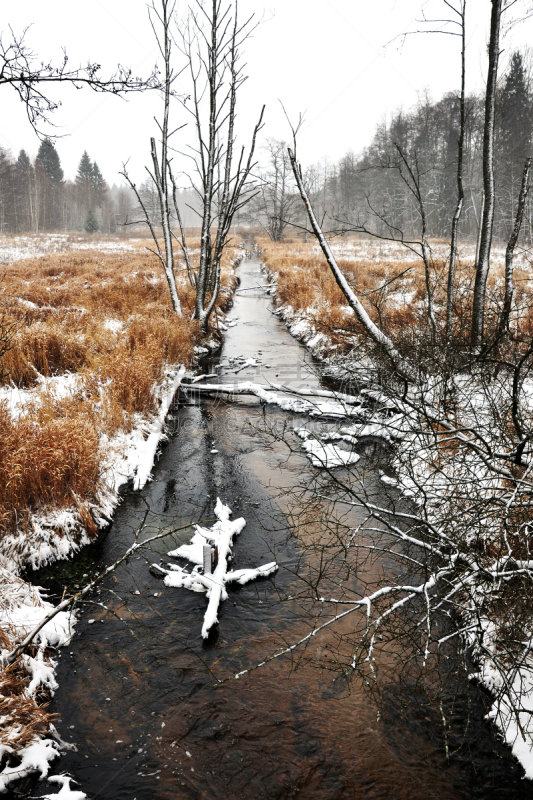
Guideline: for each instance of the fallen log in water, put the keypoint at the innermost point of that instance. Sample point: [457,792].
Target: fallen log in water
[338,405]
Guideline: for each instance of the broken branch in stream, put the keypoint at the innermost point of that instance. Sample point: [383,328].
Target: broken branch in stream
[212,582]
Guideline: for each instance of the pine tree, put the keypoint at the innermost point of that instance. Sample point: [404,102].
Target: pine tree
[25,190]
[91,223]
[7,191]
[99,186]
[84,189]
[48,159]
[84,176]
[49,180]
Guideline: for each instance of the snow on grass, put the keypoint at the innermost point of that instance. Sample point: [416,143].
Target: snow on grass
[115,325]
[18,248]
[132,455]
[22,608]
[56,534]
[375,250]
[58,387]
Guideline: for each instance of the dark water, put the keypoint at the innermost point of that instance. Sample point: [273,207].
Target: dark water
[153,710]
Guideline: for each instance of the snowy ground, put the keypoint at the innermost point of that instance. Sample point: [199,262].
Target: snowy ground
[376,250]
[17,248]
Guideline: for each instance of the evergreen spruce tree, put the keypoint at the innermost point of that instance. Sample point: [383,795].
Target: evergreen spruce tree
[84,176]
[25,189]
[48,159]
[7,191]
[84,190]
[91,223]
[49,179]
[99,186]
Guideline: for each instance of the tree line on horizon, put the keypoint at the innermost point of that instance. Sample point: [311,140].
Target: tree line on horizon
[373,189]
[35,196]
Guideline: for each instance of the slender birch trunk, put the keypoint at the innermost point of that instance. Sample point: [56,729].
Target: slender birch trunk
[160,165]
[460,187]
[487,223]
[376,334]
[509,252]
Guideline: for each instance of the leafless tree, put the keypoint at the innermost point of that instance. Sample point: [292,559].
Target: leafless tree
[511,244]
[161,177]
[487,221]
[373,331]
[411,176]
[211,41]
[278,198]
[460,12]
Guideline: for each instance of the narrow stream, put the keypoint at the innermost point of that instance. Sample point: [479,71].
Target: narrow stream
[139,695]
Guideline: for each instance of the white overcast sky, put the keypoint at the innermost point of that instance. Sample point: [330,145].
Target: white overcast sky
[328,58]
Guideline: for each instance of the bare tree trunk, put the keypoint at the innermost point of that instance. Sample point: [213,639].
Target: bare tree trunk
[208,177]
[216,76]
[460,188]
[509,252]
[375,333]
[483,263]
[161,168]
[426,251]
[478,222]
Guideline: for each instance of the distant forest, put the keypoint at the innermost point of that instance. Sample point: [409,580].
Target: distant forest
[411,164]
[424,141]
[35,197]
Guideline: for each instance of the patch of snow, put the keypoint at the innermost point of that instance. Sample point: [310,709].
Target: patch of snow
[36,757]
[326,455]
[23,608]
[65,793]
[114,325]
[249,362]
[58,387]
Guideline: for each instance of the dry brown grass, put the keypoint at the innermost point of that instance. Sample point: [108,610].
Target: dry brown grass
[65,306]
[305,282]
[22,718]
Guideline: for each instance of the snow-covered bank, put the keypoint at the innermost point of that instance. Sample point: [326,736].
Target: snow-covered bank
[55,534]
[22,607]
[52,535]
